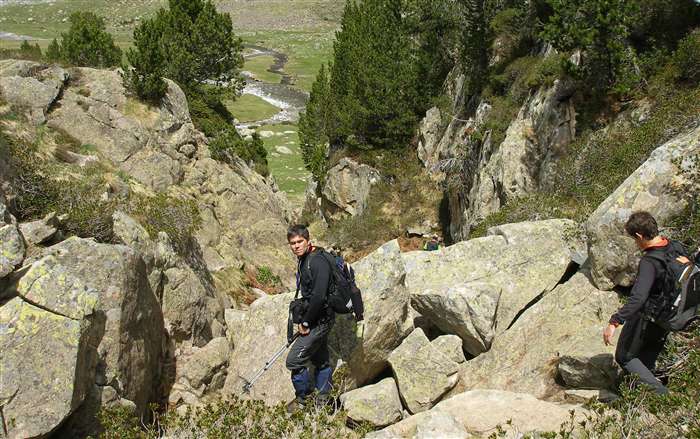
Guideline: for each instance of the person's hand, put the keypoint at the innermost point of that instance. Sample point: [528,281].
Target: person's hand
[303,330]
[608,333]
[683,260]
[360,329]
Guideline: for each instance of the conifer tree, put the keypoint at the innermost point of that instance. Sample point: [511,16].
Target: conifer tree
[314,126]
[87,43]
[53,51]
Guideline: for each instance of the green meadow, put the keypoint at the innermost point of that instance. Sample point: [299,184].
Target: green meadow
[284,159]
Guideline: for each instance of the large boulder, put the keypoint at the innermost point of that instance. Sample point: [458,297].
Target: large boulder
[613,255]
[480,412]
[423,373]
[48,360]
[346,189]
[31,86]
[255,338]
[112,279]
[377,404]
[12,249]
[477,289]
[364,356]
[200,371]
[566,322]
[387,320]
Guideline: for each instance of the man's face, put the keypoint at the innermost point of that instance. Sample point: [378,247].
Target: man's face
[299,245]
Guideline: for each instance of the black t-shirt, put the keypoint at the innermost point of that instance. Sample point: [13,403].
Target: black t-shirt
[314,281]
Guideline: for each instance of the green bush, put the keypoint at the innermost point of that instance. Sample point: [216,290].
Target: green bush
[25,51]
[87,43]
[232,418]
[686,59]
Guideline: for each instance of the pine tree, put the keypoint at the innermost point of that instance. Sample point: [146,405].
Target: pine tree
[314,126]
[53,51]
[145,76]
[87,42]
[190,43]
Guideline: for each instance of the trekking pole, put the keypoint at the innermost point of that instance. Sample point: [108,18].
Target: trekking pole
[268,365]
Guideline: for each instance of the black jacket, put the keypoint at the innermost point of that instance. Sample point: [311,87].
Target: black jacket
[314,276]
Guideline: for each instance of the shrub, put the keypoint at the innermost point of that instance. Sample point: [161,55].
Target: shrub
[686,59]
[25,51]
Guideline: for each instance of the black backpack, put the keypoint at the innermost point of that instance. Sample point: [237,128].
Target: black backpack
[344,296]
[678,303]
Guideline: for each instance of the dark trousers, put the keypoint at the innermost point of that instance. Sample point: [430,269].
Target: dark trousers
[638,347]
[311,349]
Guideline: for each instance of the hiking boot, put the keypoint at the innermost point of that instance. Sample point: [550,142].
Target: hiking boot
[297,404]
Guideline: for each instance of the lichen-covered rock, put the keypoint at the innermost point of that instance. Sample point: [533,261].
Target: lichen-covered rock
[364,356]
[423,373]
[31,86]
[451,347]
[346,190]
[47,364]
[378,404]
[11,249]
[565,322]
[130,349]
[479,412]
[477,288]
[613,255]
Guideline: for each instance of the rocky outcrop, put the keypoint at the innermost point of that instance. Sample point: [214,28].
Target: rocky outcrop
[189,304]
[346,189]
[364,355]
[422,372]
[565,322]
[485,175]
[377,404]
[478,413]
[657,187]
[31,86]
[477,288]
[160,151]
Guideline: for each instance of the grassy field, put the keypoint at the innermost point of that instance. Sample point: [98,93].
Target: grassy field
[285,164]
[259,66]
[249,108]
[306,50]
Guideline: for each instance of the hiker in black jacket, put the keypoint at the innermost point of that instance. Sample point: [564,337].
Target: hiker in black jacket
[641,341]
[316,322]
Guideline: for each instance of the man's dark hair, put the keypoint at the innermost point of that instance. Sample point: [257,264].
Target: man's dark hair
[298,230]
[643,223]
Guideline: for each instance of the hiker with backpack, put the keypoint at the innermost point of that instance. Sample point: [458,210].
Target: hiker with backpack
[654,307]
[322,291]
